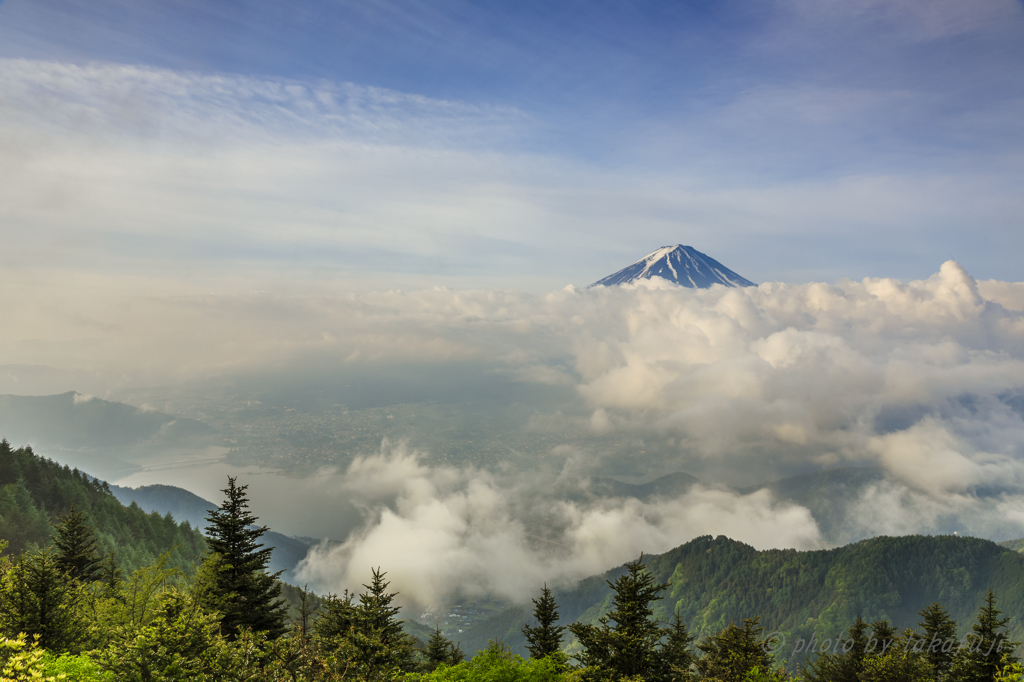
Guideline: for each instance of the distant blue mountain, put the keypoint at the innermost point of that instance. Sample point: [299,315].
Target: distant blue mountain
[683,265]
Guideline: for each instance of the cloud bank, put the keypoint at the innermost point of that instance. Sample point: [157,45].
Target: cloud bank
[440,531]
[923,379]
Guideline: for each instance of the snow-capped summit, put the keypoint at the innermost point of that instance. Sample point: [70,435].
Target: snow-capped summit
[683,265]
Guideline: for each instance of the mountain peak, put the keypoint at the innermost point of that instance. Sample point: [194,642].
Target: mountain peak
[683,265]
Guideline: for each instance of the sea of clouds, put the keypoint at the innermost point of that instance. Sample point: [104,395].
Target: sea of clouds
[737,385]
[917,378]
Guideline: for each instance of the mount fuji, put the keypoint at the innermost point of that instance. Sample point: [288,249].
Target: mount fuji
[683,265]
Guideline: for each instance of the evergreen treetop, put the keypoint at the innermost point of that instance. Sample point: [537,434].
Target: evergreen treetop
[986,648]
[626,641]
[233,578]
[77,547]
[938,631]
[442,651]
[545,638]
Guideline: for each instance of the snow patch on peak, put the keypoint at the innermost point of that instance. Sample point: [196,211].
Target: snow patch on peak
[682,265]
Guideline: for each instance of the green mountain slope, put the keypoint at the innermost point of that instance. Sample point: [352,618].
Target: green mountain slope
[34,491]
[715,581]
[1015,545]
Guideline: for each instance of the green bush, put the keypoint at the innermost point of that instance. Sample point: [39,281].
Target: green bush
[75,668]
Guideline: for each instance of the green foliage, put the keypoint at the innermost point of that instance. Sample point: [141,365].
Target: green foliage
[882,656]
[986,649]
[80,668]
[21,660]
[625,641]
[180,642]
[901,662]
[35,491]
[545,638]
[847,665]
[676,651]
[938,629]
[628,643]
[369,630]
[732,654]
[715,581]
[77,547]
[498,664]
[303,606]
[128,604]
[37,599]
[442,651]
[233,578]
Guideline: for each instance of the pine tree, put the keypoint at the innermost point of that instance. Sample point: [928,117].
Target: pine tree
[676,654]
[379,619]
[233,578]
[842,667]
[628,648]
[307,608]
[545,638]
[36,598]
[441,650]
[77,547]
[368,630]
[731,654]
[339,617]
[903,661]
[110,575]
[939,633]
[986,648]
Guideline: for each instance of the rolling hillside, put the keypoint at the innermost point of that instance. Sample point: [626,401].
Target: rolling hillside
[715,581]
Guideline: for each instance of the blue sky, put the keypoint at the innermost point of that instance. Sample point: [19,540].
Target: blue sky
[792,140]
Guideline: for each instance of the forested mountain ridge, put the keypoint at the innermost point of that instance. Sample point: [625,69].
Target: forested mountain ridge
[715,581]
[35,491]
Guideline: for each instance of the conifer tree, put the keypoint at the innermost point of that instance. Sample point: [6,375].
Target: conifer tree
[545,638]
[734,652]
[939,633]
[37,599]
[986,648]
[676,654]
[845,666]
[379,620]
[441,650]
[369,630]
[307,608]
[626,641]
[77,547]
[233,578]
[338,617]
[111,574]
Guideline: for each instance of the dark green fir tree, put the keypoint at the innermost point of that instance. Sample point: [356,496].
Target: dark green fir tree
[986,648]
[731,655]
[545,638]
[442,651]
[939,634]
[78,552]
[36,598]
[626,641]
[677,652]
[233,579]
[845,665]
